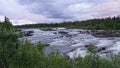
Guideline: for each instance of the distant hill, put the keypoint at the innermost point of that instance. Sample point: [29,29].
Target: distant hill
[109,23]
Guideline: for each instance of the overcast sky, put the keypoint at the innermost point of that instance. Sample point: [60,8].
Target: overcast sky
[46,11]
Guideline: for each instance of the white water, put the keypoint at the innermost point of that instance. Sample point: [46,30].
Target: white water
[73,43]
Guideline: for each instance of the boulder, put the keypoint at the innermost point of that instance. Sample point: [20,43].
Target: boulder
[65,34]
[26,33]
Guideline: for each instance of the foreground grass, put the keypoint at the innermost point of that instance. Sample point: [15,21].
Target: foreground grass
[28,56]
[21,54]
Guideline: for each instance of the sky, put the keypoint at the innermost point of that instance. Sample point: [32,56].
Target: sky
[54,11]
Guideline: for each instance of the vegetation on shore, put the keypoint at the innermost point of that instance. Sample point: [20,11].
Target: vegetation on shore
[109,23]
[22,54]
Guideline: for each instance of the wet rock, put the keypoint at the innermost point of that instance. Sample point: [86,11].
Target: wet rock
[101,49]
[62,32]
[90,45]
[97,49]
[46,45]
[106,33]
[46,29]
[86,46]
[55,33]
[108,51]
[65,34]
[26,33]
[85,32]
[105,52]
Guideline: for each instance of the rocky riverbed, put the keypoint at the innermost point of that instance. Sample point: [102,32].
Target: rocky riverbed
[74,42]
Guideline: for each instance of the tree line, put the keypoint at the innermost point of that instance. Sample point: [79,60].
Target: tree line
[109,23]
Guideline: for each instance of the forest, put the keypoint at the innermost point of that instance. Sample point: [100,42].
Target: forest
[108,23]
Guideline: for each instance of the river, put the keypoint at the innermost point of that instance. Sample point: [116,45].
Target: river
[73,42]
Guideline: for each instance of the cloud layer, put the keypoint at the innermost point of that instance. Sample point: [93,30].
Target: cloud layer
[46,11]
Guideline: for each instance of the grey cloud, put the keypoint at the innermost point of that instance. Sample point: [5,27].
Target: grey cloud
[58,10]
[53,8]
